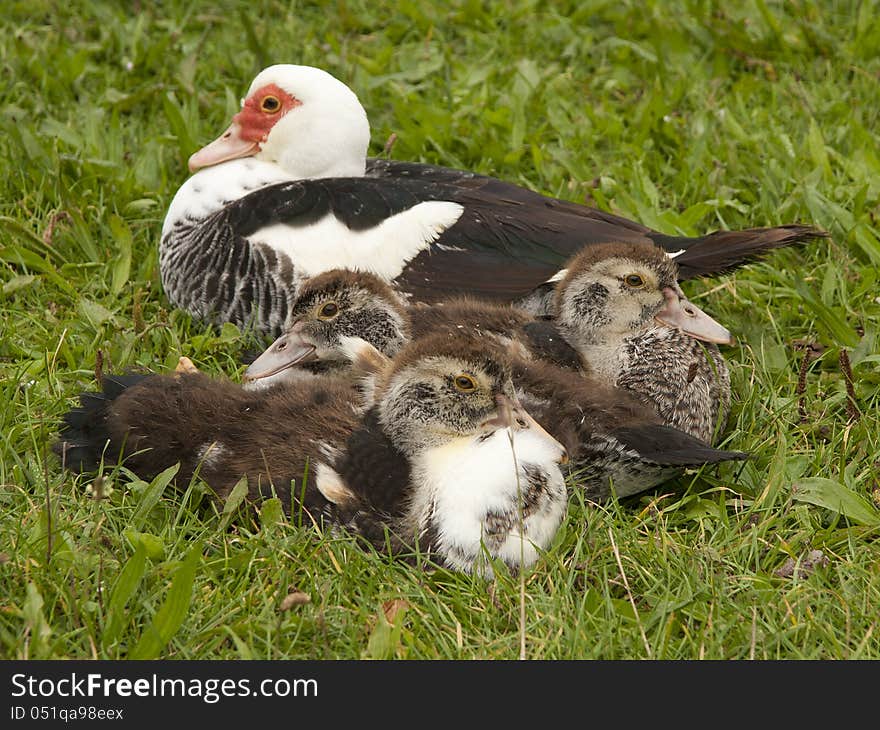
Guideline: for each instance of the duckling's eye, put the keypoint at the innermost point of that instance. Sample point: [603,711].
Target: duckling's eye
[270,104]
[328,310]
[465,383]
[634,281]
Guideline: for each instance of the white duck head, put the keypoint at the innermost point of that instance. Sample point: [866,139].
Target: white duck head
[302,119]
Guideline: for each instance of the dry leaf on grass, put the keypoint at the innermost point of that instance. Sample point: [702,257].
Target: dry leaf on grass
[812,560]
[186,366]
[393,607]
[294,598]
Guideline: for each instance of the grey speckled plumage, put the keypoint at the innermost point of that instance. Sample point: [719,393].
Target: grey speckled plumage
[616,443]
[686,381]
[606,466]
[636,338]
[219,277]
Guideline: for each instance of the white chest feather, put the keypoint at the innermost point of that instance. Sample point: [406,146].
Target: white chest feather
[476,497]
[325,244]
[383,250]
[210,189]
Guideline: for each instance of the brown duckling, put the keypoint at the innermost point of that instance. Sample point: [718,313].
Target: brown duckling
[429,461]
[330,306]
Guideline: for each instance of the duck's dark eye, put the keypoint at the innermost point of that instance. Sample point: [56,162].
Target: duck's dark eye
[465,383]
[634,281]
[270,104]
[328,310]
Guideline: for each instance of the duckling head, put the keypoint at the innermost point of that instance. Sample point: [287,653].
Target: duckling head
[444,388]
[614,291]
[331,308]
[487,482]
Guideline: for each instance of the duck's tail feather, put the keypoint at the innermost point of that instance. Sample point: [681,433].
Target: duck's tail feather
[84,433]
[724,251]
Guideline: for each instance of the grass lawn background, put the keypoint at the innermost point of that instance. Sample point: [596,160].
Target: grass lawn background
[686,116]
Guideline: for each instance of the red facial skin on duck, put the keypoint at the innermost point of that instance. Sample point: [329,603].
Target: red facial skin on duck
[249,128]
[260,113]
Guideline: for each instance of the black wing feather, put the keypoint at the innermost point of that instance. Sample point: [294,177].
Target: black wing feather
[667,446]
[547,342]
[376,470]
[725,251]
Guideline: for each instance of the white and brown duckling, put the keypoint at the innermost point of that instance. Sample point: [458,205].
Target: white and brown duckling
[430,462]
[613,438]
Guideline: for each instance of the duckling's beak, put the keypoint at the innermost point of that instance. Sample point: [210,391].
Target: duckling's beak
[678,312]
[228,146]
[512,415]
[291,349]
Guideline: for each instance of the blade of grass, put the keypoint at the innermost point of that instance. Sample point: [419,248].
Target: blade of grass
[173,611]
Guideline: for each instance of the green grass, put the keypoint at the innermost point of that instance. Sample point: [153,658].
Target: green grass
[688,116]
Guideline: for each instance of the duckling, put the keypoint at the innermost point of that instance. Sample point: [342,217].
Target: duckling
[443,460]
[330,306]
[612,437]
[621,308]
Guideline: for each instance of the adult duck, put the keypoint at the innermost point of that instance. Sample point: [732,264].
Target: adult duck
[287,192]
[442,458]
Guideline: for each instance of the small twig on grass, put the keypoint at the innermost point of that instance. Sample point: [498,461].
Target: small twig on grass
[53,221]
[812,351]
[490,590]
[802,386]
[48,510]
[754,633]
[864,642]
[99,368]
[137,311]
[100,590]
[629,594]
[753,62]
[522,575]
[389,143]
[852,408]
